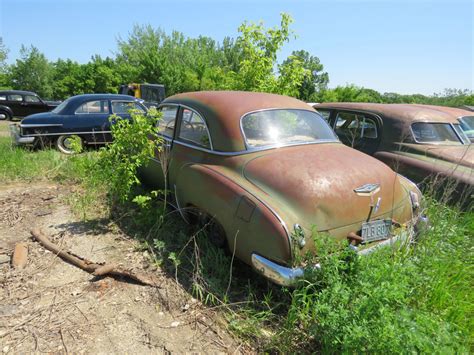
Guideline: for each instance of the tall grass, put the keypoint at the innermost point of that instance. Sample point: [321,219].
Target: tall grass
[416,299]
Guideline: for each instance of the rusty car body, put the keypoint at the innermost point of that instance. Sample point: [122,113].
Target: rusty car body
[424,143]
[269,171]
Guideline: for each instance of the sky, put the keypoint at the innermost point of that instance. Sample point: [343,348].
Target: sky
[404,46]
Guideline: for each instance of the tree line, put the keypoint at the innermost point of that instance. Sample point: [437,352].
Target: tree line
[247,62]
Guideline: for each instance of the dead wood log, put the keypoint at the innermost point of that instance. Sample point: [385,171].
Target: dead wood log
[20,256]
[97,269]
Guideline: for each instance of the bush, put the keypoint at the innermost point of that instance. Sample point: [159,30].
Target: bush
[400,300]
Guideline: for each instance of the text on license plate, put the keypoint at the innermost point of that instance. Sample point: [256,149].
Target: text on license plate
[376,230]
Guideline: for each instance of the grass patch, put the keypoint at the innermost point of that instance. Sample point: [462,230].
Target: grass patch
[416,299]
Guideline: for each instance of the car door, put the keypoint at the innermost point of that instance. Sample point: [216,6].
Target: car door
[155,174]
[89,121]
[33,104]
[15,102]
[358,130]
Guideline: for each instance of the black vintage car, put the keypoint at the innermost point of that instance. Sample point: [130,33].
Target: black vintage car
[16,103]
[83,116]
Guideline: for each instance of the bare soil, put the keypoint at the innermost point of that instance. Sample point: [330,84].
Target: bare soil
[51,306]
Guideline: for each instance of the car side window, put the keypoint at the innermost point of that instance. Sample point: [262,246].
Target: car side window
[31,98]
[3,97]
[168,120]
[91,107]
[193,129]
[124,107]
[355,125]
[15,97]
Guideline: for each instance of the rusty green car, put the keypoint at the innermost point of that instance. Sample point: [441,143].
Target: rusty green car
[268,171]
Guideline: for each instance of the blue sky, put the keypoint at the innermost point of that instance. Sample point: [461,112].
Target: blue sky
[400,46]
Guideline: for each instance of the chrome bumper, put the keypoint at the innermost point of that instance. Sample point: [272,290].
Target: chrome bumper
[17,138]
[286,276]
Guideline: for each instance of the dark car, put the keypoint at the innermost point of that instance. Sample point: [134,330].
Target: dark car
[83,116]
[424,143]
[267,171]
[15,103]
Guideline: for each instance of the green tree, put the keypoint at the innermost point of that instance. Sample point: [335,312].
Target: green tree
[315,80]
[259,48]
[3,64]
[32,72]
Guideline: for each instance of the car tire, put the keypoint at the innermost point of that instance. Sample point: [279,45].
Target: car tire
[64,144]
[4,115]
[213,229]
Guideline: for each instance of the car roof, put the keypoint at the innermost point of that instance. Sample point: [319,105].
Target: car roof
[223,110]
[407,113]
[73,102]
[86,97]
[19,92]
[456,112]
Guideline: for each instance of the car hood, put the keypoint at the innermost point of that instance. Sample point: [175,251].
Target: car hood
[317,183]
[462,154]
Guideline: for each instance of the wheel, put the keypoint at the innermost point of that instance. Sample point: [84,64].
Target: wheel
[213,229]
[4,115]
[69,144]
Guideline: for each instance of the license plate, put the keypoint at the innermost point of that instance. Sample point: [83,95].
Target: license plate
[376,230]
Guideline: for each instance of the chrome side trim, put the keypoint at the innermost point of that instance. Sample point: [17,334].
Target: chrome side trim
[27,125]
[65,133]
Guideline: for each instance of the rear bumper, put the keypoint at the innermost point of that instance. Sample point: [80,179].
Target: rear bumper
[286,276]
[17,138]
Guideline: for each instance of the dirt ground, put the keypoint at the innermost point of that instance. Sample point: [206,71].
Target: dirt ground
[52,306]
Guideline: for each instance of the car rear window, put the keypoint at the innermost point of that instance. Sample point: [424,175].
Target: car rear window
[282,127]
[439,133]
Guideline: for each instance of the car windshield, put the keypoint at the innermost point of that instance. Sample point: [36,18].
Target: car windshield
[59,108]
[284,127]
[439,133]
[467,125]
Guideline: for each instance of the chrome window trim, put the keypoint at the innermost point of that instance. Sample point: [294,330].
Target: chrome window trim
[194,110]
[178,138]
[252,149]
[437,142]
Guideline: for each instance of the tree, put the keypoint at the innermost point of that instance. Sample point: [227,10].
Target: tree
[3,64]
[315,80]
[259,48]
[32,72]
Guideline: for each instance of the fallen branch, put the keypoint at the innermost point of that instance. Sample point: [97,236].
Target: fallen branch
[97,269]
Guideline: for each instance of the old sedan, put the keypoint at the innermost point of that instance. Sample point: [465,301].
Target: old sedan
[268,171]
[17,103]
[424,143]
[83,116]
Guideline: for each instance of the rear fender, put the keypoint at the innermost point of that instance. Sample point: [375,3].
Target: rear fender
[6,109]
[250,225]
